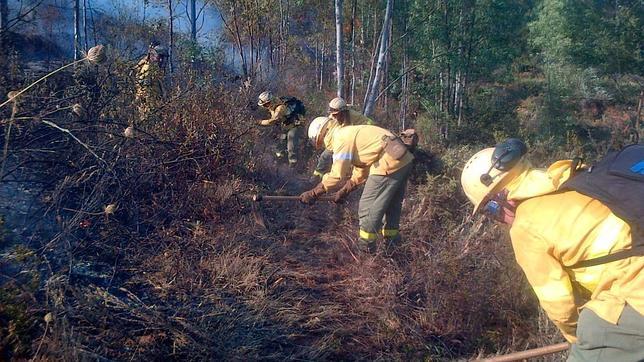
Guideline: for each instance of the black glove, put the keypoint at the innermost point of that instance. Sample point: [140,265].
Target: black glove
[344,191]
[310,196]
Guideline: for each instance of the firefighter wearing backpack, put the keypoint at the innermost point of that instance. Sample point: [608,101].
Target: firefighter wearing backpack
[364,153]
[288,113]
[343,115]
[553,230]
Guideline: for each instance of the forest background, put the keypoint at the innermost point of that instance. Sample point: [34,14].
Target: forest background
[144,246]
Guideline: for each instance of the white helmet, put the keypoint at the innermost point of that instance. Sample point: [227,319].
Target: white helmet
[265,97]
[337,105]
[317,130]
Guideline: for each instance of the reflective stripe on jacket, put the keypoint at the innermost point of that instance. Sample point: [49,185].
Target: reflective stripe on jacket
[359,148]
[551,231]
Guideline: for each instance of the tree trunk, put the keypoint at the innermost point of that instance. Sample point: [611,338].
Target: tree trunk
[171,24]
[77,31]
[468,59]
[193,21]
[251,40]
[85,39]
[373,89]
[638,128]
[339,48]
[322,65]
[404,97]
[240,46]
[352,89]
[385,96]
[4,18]
[270,49]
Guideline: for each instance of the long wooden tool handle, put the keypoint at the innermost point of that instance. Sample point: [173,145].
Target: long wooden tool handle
[531,353]
[286,198]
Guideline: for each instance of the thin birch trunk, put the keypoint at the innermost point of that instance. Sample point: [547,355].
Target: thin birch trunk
[353,52]
[370,104]
[322,65]
[404,97]
[339,48]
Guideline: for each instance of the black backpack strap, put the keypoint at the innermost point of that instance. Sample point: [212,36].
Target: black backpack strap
[577,165]
[623,254]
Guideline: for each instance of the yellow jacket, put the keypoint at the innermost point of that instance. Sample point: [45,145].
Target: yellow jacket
[279,114]
[553,230]
[149,79]
[356,118]
[359,148]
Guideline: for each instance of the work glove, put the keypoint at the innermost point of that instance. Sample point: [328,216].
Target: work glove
[310,196]
[316,178]
[344,191]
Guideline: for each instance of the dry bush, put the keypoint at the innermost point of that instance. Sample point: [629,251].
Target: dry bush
[157,255]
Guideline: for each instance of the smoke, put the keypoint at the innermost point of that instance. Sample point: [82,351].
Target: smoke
[53,23]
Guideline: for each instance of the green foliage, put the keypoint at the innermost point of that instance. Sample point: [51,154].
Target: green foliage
[605,35]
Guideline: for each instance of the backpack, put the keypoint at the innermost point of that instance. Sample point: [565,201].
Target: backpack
[410,138]
[295,108]
[617,181]
[397,146]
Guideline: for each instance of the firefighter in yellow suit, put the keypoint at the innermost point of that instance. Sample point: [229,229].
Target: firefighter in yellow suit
[552,231]
[149,85]
[289,119]
[340,112]
[359,157]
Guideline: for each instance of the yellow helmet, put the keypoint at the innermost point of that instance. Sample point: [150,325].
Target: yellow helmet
[482,175]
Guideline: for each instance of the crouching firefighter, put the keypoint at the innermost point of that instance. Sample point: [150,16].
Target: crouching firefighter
[364,153]
[288,113]
[577,234]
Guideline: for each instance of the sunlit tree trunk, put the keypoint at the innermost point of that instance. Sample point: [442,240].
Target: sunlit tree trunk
[339,48]
[404,96]
[373,89]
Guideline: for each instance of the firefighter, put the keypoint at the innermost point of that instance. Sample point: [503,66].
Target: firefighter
[370,155]
[553,231]
[288,113]
[149,85]
[341,113]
